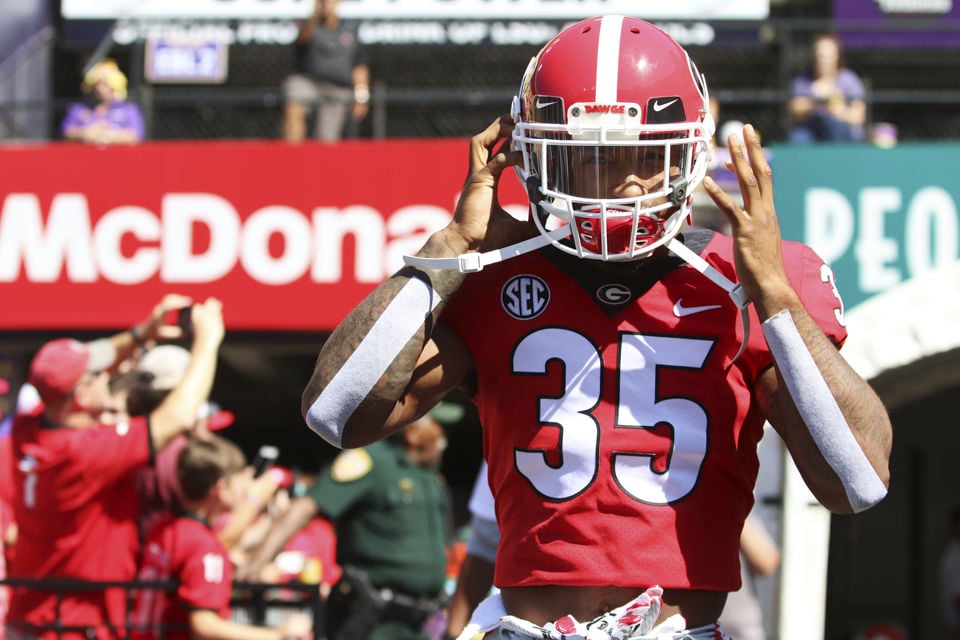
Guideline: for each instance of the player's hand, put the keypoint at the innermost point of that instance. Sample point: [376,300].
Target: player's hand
[754,225]
[479,220]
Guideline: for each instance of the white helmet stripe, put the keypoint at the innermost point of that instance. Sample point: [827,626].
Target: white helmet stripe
[608,59]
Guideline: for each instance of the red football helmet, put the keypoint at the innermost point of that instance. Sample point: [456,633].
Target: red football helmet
[615,129]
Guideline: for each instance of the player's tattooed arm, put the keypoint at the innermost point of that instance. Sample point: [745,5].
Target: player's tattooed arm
[388,361]
[382,367]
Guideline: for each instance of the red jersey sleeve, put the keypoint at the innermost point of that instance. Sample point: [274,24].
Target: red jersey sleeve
[815,282]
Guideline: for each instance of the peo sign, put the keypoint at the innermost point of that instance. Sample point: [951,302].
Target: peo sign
[879,216]
[289,237]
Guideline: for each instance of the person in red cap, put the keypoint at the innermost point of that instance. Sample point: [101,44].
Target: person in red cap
[74,497]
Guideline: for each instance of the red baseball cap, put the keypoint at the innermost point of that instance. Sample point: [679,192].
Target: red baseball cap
[59,365]
[216,417]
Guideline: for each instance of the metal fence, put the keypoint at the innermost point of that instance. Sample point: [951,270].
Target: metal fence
[455,90]
[259,604]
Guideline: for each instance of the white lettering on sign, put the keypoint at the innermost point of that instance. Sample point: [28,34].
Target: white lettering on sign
[416,9]
[556,9]
[933,231]
[201,238]
[110,230]
[181,213]
[179,9]
[884,232]
[875,250]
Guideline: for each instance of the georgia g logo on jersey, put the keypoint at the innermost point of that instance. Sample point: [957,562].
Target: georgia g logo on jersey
[525,296]
[615,294]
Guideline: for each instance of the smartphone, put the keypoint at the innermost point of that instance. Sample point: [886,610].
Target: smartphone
[179,318]
[266,456]
[184,320]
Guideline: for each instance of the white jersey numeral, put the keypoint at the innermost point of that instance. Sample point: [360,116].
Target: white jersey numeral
[28,466]
[639,407]
[213,568]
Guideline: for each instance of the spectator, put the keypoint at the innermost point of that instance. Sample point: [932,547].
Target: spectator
[390,511]
[157,373]
[331,77]
[109,117]
[742,616]
[950,579]
[183,548]
[310,555]
[8,528]
[828,101]
[622,368]
[251,504]
[75,501]
[476,573]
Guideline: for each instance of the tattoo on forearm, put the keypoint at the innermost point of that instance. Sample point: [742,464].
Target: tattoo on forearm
[346,339]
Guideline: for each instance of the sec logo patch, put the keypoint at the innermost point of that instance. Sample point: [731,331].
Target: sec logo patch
[525,296]
[351,465]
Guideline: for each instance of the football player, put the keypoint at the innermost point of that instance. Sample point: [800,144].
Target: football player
[622,364]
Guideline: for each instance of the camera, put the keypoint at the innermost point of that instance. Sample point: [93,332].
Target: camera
[180,318]
[184,320]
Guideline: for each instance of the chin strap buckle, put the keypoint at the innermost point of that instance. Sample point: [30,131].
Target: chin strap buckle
[469,262]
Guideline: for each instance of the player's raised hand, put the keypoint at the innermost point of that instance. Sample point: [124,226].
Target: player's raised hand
[754,225]
[479,219]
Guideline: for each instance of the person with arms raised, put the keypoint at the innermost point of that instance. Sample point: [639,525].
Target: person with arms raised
[75,499]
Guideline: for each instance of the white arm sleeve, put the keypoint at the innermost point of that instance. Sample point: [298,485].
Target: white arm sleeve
[821,413]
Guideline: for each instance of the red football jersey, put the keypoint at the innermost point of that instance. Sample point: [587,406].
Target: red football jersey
[622,443]
[184,549]
[76,508]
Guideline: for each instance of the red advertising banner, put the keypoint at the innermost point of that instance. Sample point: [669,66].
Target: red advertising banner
[290,237]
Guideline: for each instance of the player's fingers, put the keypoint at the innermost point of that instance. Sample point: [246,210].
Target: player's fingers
[501,160]
[482,144]
[740,164]
[730,208]
[758,163]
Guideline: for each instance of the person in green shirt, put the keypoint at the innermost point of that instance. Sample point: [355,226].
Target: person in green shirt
[391,510]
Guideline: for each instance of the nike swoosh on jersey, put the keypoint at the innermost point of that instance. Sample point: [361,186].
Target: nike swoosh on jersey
[681,311]
[660,107]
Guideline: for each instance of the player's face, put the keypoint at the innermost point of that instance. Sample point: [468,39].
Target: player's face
[621,172]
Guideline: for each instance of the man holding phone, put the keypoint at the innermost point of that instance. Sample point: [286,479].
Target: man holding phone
[74,497]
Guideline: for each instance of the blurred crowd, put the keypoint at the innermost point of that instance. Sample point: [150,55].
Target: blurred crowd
[118,469]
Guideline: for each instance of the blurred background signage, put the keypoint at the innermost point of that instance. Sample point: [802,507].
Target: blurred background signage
[416,9]
[898,23]
[185,60]
[180,9]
